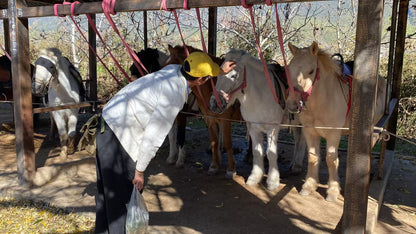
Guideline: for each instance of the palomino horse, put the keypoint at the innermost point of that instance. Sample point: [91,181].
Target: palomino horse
[324,103]
[213,120]
[56,74]
[263,115]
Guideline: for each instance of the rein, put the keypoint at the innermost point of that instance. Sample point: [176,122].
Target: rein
[242,86]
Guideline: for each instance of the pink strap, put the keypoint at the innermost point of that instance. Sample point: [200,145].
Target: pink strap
[5,52]
[282,50]
[106,47]
[204,46]
[185,5]
[266,71]
[268,2]
[108,8]
[164,7]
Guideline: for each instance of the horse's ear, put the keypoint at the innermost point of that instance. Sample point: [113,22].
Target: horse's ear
[170,48]
[314,48]
[293,49]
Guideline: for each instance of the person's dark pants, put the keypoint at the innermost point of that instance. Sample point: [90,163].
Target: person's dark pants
[115,173]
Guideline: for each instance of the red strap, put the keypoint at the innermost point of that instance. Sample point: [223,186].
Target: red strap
[266,71]
[282,50]
[5,52]
[108,8]
[204,47]
[91,48]
[268,2]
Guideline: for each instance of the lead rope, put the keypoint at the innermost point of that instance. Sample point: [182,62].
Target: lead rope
[83,36]
[266,71]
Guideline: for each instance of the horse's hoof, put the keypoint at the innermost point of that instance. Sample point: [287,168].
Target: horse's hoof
[304,192]
[230,174]
[273,186]
[171,160]
[253,180]
[331,197]
[212,170]
[179,163]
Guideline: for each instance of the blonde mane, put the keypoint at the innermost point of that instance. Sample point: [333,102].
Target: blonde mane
[327,63]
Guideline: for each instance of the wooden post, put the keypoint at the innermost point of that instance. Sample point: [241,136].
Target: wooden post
[92,62]
[367,50]
[22,93]
[145,29]
[212,31]
[6,35]
[397,68]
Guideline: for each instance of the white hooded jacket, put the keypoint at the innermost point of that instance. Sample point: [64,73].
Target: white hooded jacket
[142,113]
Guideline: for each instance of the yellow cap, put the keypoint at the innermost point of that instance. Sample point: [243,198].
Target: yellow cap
[199,64]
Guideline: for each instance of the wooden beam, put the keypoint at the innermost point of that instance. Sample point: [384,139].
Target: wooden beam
[135,5]
[61,107]
[22,93]
[145,40]
[367,50]
[397,67]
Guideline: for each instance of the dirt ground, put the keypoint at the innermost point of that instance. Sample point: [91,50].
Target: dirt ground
[188,200]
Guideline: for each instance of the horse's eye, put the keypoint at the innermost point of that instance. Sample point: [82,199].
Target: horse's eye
[311,72]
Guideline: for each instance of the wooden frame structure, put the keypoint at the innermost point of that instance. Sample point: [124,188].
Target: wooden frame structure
[15,15]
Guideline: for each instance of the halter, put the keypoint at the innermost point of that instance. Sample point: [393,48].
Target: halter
[241,87]
[50,67]
[305,95]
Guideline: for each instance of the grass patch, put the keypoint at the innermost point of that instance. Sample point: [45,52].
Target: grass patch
[26,216]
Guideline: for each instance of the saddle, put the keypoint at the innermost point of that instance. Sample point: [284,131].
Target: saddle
[280,82]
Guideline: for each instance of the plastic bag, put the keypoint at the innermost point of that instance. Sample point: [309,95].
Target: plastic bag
[137,219]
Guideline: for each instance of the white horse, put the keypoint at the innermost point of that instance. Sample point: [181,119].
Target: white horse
[324,103]
[263,115]
[56,75]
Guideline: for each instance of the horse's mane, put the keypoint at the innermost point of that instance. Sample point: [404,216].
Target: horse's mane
[178,55]
[242,56]
[328,63]
[149,58]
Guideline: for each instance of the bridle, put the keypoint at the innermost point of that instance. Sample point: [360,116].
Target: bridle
[305,95]
[50,67]
[240,87]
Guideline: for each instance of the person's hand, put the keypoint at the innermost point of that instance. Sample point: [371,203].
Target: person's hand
[138,180]
[227,66]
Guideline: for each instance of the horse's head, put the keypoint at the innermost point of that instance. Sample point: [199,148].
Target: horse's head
[46,68]
[152,60]
[229,84]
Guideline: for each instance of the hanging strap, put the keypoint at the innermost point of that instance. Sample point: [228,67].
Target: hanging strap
[5,52]
[266,71]
[83,36]
[108,8]
[282,50]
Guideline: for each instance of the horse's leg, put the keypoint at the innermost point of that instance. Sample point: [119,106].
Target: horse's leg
[215,146]
[332,161]
[173,147]
[258,162]
[228,145]
[62,131]
[300,147]
[72,130]
[312,179]
[53,129]
[181,122]
[273,177]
